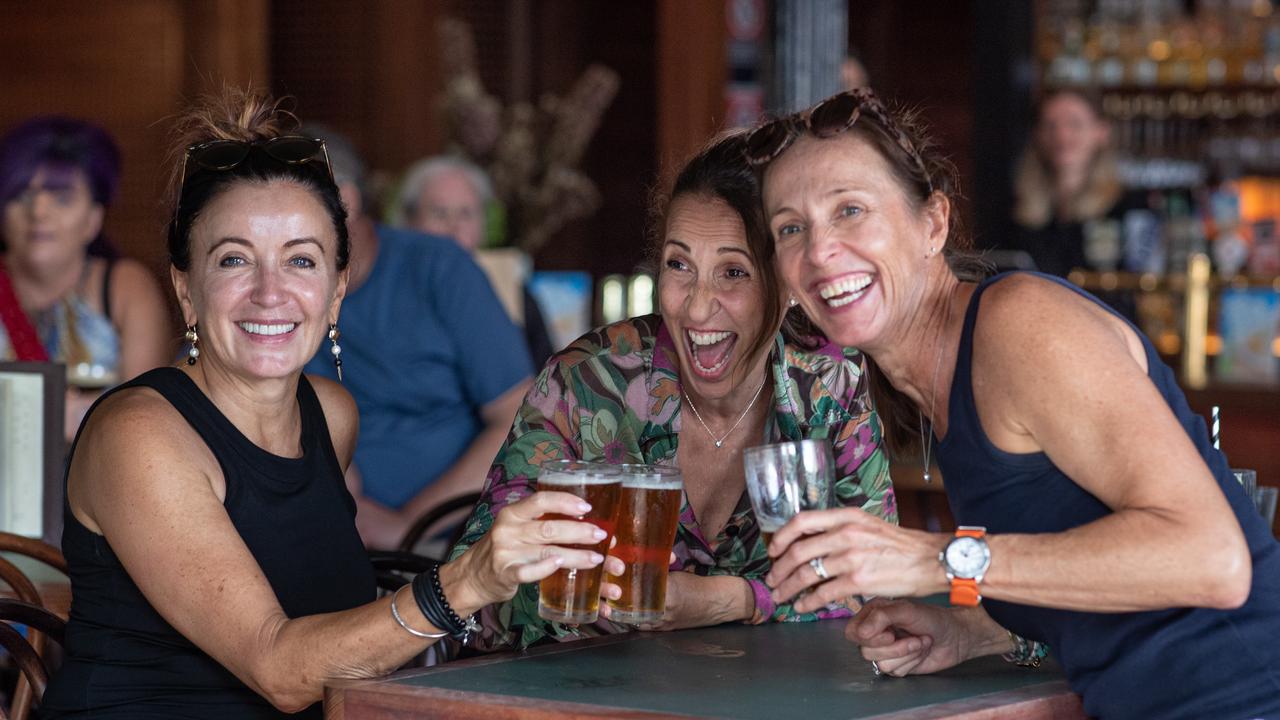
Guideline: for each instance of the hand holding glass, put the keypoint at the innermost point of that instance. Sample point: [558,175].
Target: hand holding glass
[648,513]
[572,595]
[785,478]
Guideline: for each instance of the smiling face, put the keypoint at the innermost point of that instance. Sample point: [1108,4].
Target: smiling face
[711,295]
[851,245]
[263,284]
[51,221]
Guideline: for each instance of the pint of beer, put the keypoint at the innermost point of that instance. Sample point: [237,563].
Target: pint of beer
[572,595]
[648,513]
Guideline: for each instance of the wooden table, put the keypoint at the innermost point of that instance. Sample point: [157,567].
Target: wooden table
[53,586]
[787,670]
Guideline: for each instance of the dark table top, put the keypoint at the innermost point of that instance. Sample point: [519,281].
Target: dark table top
[773,671]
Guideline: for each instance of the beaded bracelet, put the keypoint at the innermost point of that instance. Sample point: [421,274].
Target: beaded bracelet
[395,613]
[429,595]
[1026,653]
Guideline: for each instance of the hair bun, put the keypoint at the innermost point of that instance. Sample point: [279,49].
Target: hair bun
[234,113]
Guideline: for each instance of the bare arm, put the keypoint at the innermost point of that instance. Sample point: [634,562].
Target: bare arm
[155,484]
[140,315]
[1054,373]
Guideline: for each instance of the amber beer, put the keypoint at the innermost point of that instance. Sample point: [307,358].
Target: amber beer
[648,512]
[573,595]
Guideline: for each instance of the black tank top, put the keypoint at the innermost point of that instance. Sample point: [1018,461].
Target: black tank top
[296,517]
[1176,663]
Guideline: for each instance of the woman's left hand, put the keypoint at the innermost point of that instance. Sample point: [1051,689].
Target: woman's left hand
[692,600]
[862,555]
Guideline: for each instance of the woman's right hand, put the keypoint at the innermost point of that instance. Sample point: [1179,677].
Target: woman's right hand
[904,637]
[520,548]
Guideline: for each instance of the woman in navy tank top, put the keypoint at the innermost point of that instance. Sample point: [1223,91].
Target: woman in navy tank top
[215,567]
[1096,517]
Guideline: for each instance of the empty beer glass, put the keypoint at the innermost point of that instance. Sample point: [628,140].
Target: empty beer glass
[786,478]
[648,513]
[573,595]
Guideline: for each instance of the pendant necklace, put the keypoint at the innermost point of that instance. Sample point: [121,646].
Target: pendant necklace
[720,441]
[927,446]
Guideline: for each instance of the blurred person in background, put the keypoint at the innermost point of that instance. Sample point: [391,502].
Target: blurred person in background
[448,195]
[437,368]
[65,295]
[1069,200]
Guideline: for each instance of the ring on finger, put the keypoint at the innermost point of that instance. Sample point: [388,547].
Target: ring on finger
[819,568]
[875,668]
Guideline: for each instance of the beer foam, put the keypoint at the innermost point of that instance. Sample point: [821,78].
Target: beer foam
[587,477]
[651,482]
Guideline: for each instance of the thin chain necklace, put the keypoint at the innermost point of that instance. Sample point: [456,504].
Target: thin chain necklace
[720,441]
[927,446]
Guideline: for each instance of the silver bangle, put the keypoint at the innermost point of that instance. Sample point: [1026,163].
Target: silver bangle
[400,621]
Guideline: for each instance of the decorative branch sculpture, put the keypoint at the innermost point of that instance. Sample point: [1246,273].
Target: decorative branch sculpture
[531,152]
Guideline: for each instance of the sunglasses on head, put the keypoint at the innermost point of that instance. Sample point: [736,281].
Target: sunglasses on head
[223,155]
[828,119]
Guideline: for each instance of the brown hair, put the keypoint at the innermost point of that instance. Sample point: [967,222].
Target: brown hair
[245,115]
[720,171]
[1034,176]
[901,138]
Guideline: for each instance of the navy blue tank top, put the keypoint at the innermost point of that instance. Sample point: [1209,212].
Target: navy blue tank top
[1177,663]
[123,660]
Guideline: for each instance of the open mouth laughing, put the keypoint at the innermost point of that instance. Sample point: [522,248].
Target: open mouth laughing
[710,350]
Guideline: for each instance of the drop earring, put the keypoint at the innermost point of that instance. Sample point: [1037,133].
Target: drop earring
[193,338]
[336,349]
[793,302]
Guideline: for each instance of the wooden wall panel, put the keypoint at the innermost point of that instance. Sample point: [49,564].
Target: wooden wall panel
[921,56]
[692,72]
[127,66]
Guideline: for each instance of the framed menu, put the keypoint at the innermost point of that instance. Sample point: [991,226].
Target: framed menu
[32,449]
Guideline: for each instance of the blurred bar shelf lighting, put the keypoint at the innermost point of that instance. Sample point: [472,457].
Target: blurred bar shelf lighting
[623,297]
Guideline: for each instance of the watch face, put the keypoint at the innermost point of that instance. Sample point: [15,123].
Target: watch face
[967,557]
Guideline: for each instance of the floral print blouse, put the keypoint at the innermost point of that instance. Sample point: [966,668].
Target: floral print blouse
[614,396]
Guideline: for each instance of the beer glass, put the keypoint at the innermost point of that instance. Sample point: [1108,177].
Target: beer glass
[786,478]
[648,513]
[572,595]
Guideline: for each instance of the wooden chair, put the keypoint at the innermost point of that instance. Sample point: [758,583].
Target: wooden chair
[29,659]
[26,592]
[32,548]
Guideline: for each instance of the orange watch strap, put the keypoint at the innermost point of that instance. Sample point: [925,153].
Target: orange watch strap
[965,592]
[967,531]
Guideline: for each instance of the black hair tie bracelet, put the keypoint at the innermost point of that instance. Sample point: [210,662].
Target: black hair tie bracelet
[429,595]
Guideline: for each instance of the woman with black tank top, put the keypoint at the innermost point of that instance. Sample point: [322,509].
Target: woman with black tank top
[1096,517]
[215,567]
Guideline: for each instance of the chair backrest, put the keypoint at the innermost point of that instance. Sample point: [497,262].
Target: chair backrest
[32,548]
[32,663]
[432,517]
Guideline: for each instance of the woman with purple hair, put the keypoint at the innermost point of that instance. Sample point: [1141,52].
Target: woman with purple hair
[64,294]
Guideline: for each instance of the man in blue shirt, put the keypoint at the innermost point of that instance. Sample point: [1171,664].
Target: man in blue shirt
[436,367]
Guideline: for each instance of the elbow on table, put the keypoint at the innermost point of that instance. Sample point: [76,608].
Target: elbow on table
[286,691]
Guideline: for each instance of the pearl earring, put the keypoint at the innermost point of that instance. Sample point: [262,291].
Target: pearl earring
[193,353]
[336,349]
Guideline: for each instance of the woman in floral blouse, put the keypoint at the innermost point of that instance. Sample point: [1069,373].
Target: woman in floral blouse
[725,348]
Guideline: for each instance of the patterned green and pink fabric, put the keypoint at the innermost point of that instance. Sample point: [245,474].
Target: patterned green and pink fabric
[613,396]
